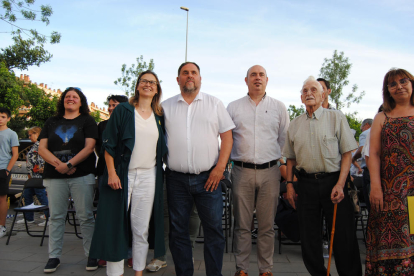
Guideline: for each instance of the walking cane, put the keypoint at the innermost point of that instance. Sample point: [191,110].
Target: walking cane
[332,238]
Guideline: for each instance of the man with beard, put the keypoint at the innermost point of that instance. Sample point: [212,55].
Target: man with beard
[195,166]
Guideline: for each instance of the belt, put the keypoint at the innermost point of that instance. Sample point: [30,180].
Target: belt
[190,174]
[319,175]
[255,166]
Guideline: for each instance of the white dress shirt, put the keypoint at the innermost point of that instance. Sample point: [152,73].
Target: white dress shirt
[192,132]
[260,131]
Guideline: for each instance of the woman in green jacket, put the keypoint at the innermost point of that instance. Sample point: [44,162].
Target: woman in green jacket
[134,145]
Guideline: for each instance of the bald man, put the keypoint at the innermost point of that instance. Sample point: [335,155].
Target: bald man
[260,133]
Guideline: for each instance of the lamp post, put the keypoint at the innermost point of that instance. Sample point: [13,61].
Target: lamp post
[186,36]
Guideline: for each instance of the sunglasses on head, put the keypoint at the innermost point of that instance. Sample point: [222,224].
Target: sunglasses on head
[72,87]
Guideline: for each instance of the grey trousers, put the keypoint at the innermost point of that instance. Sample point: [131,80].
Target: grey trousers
[58,191]
[246,184]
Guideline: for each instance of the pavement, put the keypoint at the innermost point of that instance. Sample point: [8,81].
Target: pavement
[25,256]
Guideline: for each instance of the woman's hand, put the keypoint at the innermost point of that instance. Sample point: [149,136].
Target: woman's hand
[62,168]
[376,198]
[114,182]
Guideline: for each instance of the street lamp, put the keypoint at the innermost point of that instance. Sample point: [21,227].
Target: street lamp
[186,37]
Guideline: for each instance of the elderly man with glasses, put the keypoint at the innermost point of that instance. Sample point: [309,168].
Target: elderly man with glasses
[318,148]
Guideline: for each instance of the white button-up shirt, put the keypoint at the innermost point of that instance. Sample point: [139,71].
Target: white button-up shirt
[192,132]
[260,131]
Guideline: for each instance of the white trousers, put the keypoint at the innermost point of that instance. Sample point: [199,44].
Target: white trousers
[141,190]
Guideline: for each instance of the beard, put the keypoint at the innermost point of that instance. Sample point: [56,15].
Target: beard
[191,90]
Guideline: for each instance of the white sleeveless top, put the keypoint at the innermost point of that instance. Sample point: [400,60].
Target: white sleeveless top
[146,137]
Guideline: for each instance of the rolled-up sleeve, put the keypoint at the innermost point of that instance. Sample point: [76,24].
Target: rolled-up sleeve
[346,138]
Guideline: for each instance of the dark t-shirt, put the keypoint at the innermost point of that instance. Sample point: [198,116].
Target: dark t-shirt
[101,161]
[66,138]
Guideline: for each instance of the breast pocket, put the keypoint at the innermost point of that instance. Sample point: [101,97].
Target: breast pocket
[330,147]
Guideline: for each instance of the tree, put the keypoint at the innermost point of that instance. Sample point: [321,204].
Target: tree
[96,115]
[29,51]
[42,105]
[130,75]
[354,123]
[15,94]
[10,90]
[336,70]
[295,112]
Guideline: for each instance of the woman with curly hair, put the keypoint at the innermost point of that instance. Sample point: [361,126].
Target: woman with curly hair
[66,144]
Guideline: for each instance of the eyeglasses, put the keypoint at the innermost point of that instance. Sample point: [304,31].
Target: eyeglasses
[71,87]
[403,82]
[144,81]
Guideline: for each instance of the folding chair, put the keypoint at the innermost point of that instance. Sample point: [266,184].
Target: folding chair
[36,183]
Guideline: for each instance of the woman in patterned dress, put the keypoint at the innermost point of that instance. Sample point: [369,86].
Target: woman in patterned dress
[390,248]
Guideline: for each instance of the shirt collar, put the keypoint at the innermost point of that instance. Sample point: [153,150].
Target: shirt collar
[264,96]
[317,113]
[198,97]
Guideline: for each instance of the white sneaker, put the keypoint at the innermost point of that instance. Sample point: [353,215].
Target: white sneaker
[43,217]
[2,231]
[156,265]
[43,224]
[20,221]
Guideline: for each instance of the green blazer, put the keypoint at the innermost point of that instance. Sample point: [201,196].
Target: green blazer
[112,235]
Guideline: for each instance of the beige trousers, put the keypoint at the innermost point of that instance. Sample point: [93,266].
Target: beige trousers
[264,185]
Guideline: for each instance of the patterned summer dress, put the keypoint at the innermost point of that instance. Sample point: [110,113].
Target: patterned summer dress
[390,248]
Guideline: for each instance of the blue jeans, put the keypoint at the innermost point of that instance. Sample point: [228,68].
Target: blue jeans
[183,190]
[28,199]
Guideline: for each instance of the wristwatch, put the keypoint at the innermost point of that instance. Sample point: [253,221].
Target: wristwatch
[70,166]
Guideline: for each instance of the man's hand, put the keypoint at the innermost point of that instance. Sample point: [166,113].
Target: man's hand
[291,195]
[376,198]
[114,182]
[214,179]
[337,194]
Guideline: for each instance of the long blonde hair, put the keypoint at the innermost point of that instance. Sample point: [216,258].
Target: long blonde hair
[156,100]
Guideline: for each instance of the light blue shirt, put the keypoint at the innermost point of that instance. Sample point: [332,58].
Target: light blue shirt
[8,139]
[362,139]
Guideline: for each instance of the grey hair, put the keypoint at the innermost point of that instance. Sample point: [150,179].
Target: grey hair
[312,78]
[366,121]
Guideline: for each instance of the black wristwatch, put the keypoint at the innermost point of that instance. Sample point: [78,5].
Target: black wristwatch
[70,166]
[7,171]
[289,182]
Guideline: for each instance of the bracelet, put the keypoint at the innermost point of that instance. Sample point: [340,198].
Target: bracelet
[289,182]
[7,171]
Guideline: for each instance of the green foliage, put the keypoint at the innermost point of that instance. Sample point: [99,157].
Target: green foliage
[43,106]
[11,90]
[14,94]
[354,123]
[295,111]
[96,115]
[28,51]
[130,75]
[336,70]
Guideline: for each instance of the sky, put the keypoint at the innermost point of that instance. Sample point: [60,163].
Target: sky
[290,39]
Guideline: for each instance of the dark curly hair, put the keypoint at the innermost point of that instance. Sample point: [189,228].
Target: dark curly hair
[84,109]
